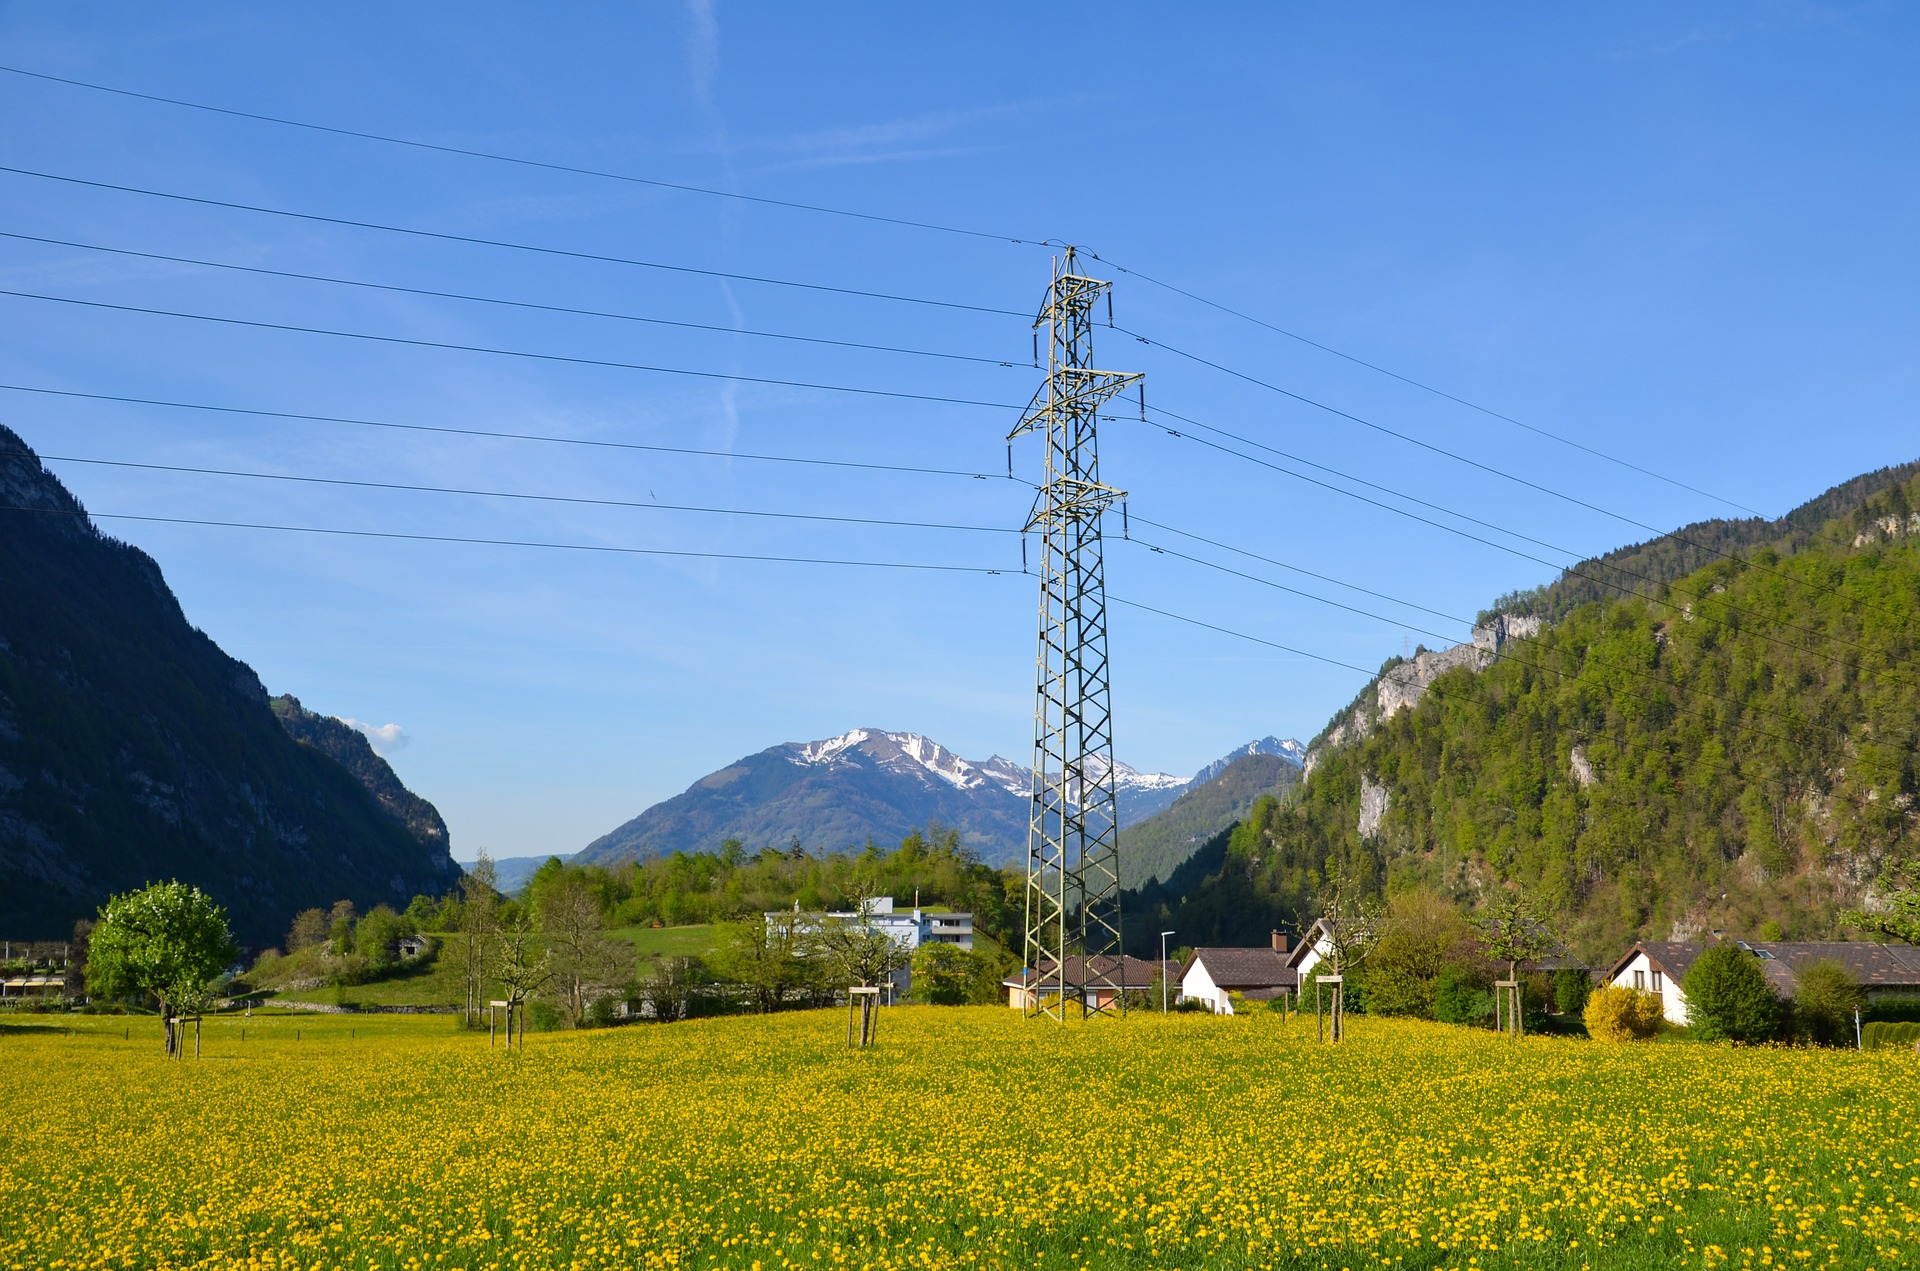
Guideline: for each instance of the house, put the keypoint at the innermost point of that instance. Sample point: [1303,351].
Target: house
[414,946]
[1315,947]
[1659,967]
[1135,975]
[1257,974]
[909,929]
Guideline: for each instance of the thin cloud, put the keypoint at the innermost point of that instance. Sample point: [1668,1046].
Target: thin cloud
[386,739]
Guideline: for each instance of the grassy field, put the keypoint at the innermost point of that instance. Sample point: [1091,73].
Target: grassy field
[672,942]
[966,1138]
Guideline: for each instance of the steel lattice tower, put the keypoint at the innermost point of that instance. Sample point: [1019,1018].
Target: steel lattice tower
[1073,858]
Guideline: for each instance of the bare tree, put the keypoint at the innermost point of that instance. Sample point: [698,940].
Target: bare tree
[583,954]
[480,927]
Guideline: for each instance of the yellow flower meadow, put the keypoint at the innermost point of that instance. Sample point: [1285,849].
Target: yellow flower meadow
[967,1138]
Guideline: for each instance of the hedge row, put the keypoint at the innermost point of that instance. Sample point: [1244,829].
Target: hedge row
[1877,1036]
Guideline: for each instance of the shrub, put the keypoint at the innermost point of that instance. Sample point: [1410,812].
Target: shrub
[1824,1002]
[1902,1009]
[1571,989]
[1621,1014]
[1728,997]
[1459,998]
[1884,1036]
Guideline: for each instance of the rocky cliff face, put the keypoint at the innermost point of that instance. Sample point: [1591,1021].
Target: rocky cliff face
[349,748]
[1405,680]
[133,749]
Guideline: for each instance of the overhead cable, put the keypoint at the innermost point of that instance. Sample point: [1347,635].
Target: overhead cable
[493,435]
[472,240]
[512,542]
[1428,388]
[1573,570]
[1587,656]
[566,359]
[520,160]
[496,300]
[514,494]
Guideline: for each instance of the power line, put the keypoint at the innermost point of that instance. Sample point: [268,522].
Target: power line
[471,240]
[1428,388]
[491,435]
[510,494]
[1589,656]
[869,521]
[1513,551]
[604,363]
[1457,457]
[520,160]
[1443,694]
[882,219]
[510,542]
[1474,463]
[496,300]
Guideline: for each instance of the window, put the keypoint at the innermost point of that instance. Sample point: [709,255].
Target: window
[1640,980]
[1656,982]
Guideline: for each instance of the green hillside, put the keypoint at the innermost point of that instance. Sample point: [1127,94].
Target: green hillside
[1745,743]
[1153,849]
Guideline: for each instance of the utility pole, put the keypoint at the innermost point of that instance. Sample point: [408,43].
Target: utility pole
[1073,857]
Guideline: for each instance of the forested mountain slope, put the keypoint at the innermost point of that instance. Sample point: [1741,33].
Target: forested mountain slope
[133,749]
[1733,750]
[1157,846]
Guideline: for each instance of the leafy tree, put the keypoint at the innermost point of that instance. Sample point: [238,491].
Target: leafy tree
[376,938]
[1421,936]
[1511,932]
[520,963]
[309,928]
[1620,1014]
[168,940]
[1824,1001]
[1351,921]
[943,974]
[1900,919]
[768,955]
[1571,989]
[340,926]
[1728,997]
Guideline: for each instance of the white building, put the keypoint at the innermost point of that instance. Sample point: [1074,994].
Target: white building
[909,928]
[1212,976]
[1654,966]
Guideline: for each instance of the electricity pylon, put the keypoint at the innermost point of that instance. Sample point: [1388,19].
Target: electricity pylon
[1073,848]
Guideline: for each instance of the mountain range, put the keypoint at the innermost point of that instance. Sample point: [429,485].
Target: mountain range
[133,749]
[869,783]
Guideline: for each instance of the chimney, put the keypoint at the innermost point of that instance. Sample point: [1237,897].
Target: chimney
[1279,942]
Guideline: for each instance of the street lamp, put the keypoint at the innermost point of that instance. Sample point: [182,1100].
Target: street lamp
[1163,971]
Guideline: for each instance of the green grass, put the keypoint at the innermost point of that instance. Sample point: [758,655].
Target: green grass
[671,942]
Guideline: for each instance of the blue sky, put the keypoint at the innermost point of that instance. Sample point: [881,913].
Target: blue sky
[1679,236]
